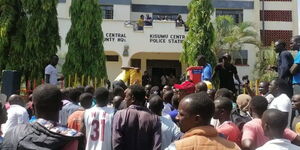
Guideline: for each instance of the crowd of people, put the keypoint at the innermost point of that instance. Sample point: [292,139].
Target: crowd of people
[148,20]
[135,115]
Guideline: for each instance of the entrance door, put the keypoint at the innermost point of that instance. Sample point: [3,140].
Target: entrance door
[157,68]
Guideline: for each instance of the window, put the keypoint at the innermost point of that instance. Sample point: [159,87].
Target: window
[162,16]
[236,14]
[240,57]
[107,12]
[112,58]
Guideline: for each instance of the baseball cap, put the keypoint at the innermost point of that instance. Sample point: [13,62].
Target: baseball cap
[187,86]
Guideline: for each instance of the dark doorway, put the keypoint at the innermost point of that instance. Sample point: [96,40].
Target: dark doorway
[157,68]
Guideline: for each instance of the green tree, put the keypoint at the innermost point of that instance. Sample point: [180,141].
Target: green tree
[231,37]
[200,37]
[265,58]
[85,40]
[42,36]
[12,38]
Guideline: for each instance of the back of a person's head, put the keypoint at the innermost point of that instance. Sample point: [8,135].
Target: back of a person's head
[274,120]
[66,93]
[85,100]
[119,83]
[167,97]
[16,100]
[80,88]
[201,87]
[74,94]
[259,105]
[154,90]
[47,99]
[201,104]
[223,92]
[89,89]
[224,103]
[101,95]
[175,101]
[282,85]
[138,93]
[156,104]
[118,91]
[243,101]
[117,100]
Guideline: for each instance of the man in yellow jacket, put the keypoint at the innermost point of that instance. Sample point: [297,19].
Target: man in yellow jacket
[195,113]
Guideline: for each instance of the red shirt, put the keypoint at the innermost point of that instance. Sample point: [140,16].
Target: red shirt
[231,131]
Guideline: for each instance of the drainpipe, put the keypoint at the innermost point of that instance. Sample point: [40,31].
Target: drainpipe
[263,21]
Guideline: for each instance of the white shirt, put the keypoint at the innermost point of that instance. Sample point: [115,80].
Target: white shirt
[16,115]
[52,71]
[284,104]
[279,144]
[269,98]
[98,124]
[169,132]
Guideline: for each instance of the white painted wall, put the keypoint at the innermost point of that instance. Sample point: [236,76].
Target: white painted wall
[162,2]
[122,12]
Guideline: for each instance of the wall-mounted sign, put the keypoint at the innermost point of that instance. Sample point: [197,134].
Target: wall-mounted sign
[166,38]
[115,37]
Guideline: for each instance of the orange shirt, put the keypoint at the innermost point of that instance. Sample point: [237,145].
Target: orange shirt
[75,120]
[204,137]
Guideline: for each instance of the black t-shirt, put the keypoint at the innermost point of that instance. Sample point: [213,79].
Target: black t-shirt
[226,76]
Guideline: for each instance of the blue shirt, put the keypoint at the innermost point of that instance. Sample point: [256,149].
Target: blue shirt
[207,72]
[296,77]
[173,114]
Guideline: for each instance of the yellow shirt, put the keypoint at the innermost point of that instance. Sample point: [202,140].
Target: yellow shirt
[124,76]
[135,77]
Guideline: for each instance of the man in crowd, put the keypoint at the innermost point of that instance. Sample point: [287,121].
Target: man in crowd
[226,71]
[98,123]
[274,123]
[285,61]
[51,71]
[136,127]
[169,130]
[16,114]
[207,69]
[167,98]
[223,107]
[278,88]
[296,107]
[201,87]
[75,119]
[195,112]
[146,78]
[295,69]
[46,133]
[69,106]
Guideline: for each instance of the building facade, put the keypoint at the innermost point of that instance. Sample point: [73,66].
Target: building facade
[157,47]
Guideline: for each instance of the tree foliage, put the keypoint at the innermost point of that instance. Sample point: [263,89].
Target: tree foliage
[42,36]
[85,41]
[265,58]
[12,38]
[200,37]
[231,37]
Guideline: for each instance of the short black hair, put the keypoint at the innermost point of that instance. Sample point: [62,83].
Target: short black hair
[89,89]
[74,94]
[47,99]
[225,103]
[259,105]
[118,91]
[101,95]
[167,97]
[276,119]
[119,83]
[201,104]
[223,92]
[282,85]
[201,86]
[85,100]
[138,93]
[156,104]
[65,93]
[175,101]
[154,89]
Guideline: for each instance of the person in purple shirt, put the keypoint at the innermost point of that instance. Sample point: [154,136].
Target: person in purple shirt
[207,69]
[136,127]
